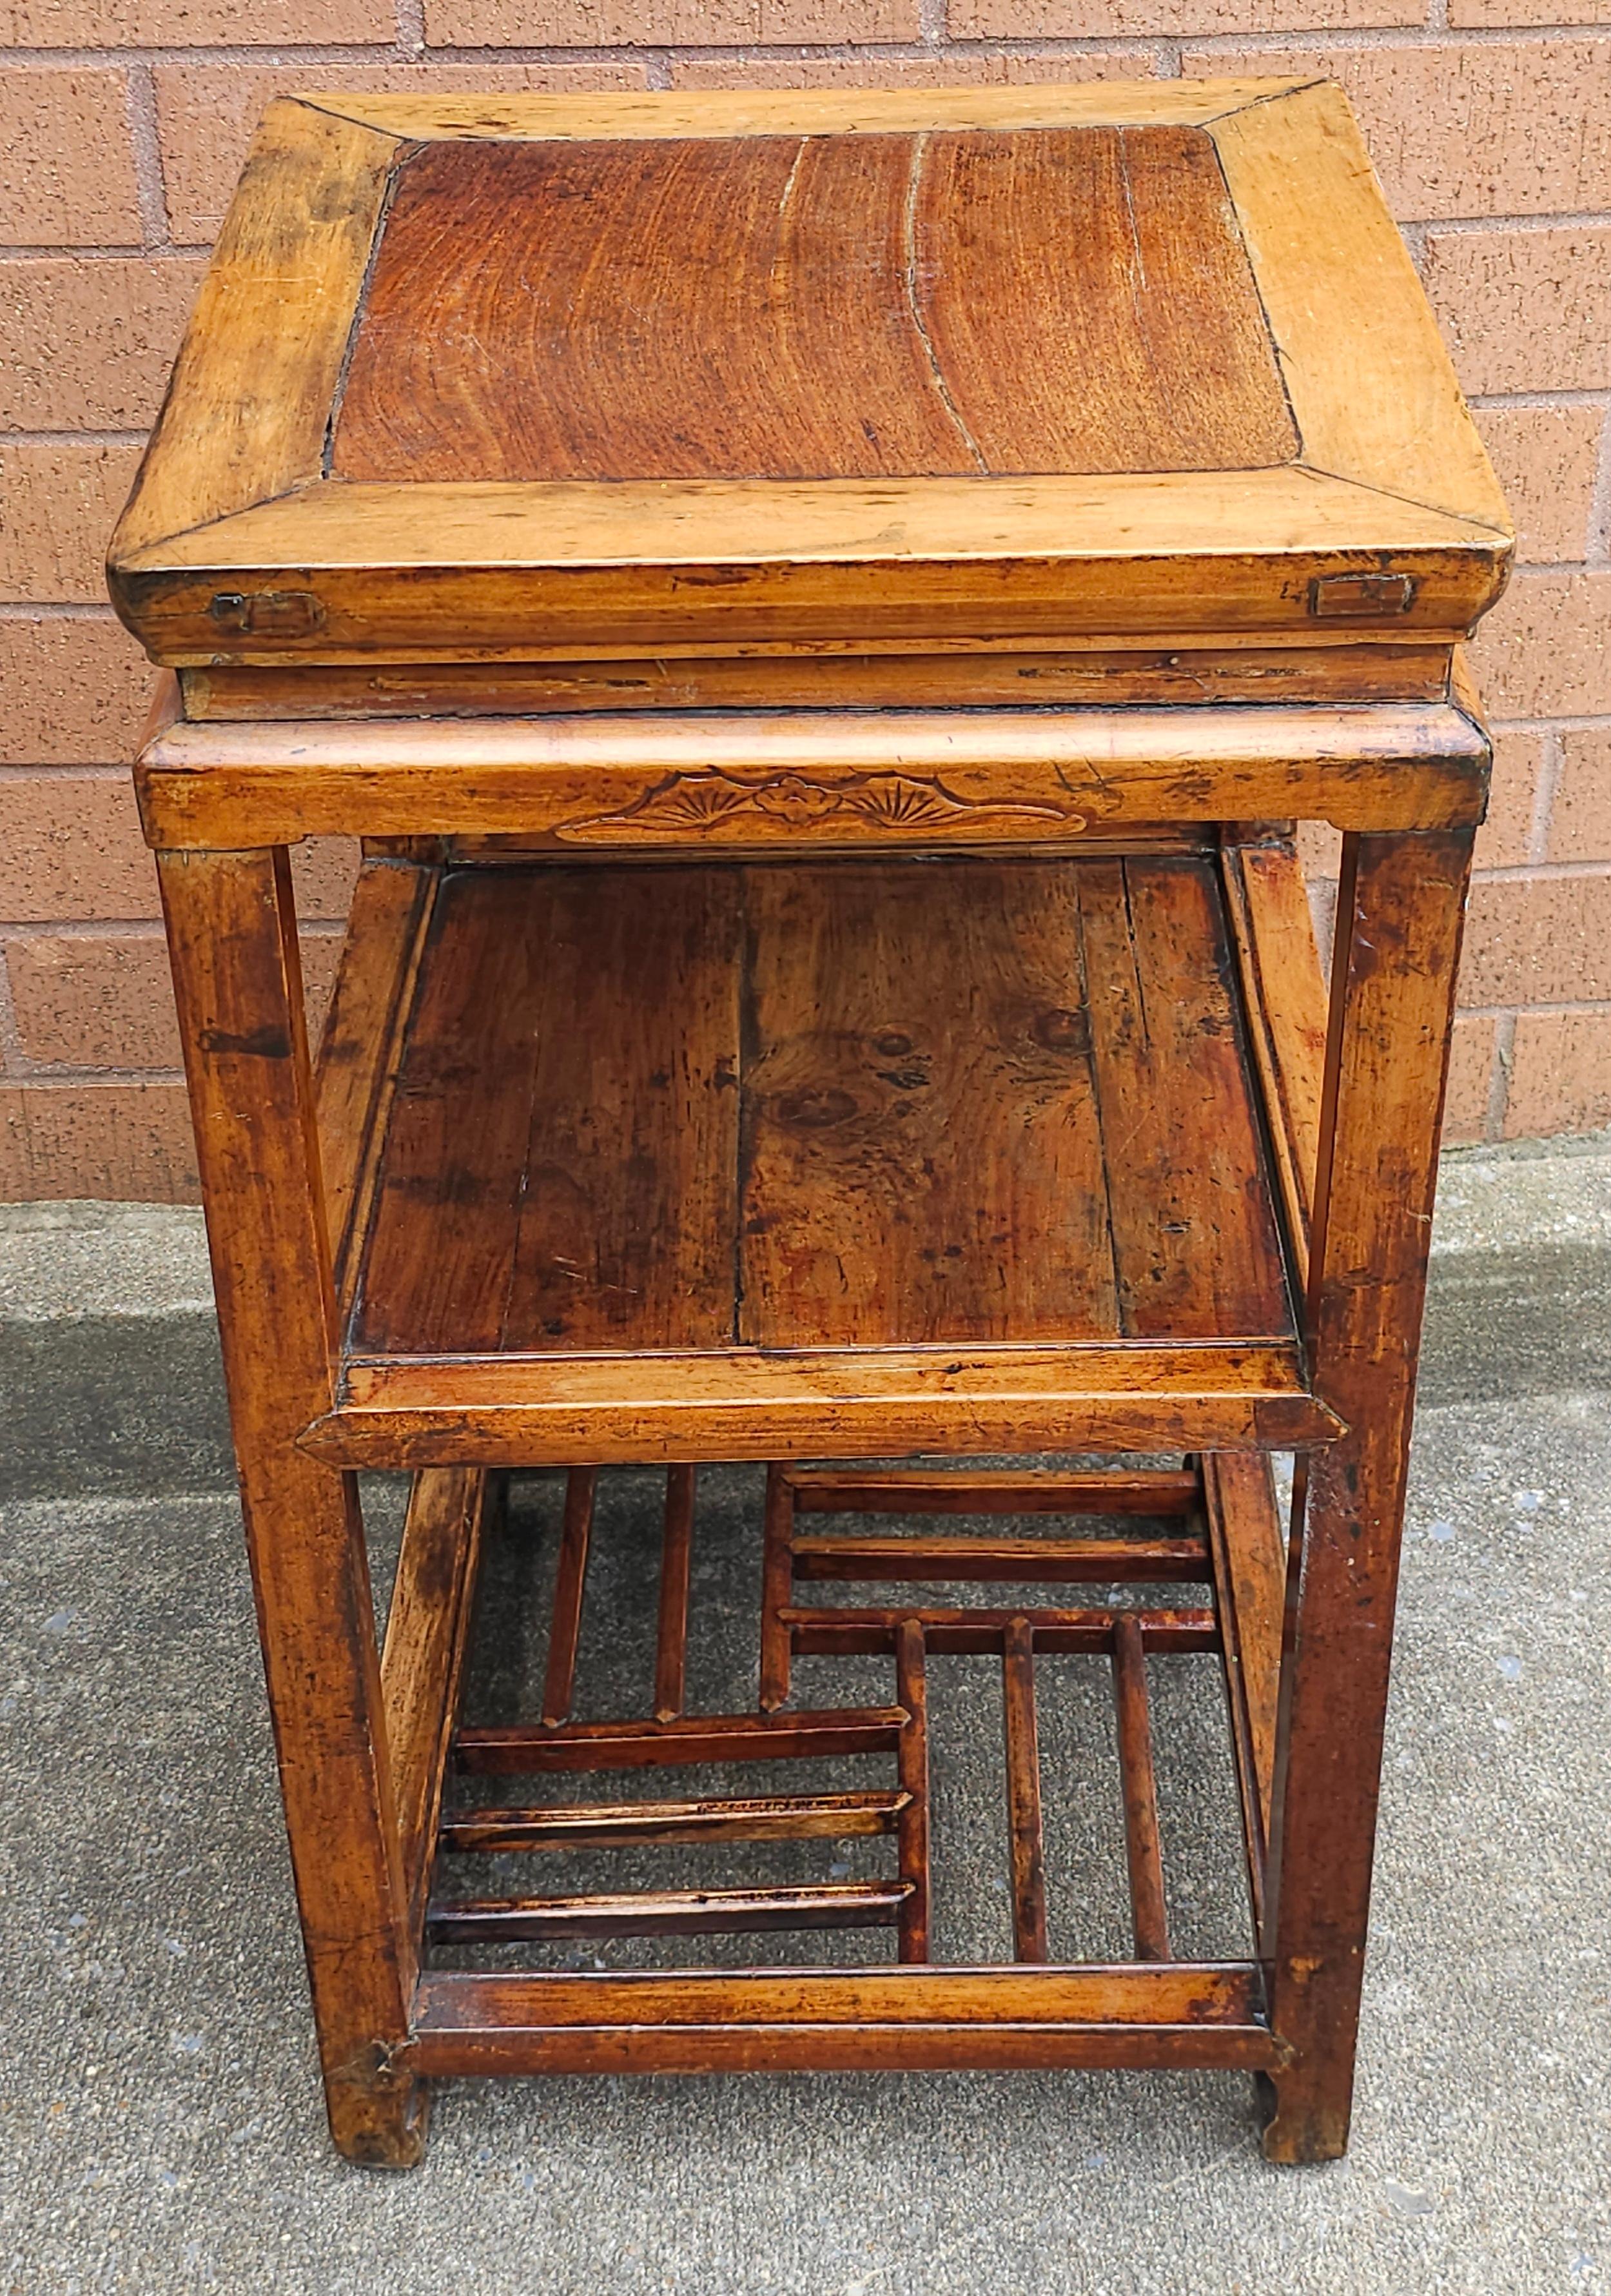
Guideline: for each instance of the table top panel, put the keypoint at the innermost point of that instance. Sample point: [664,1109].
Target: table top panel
[493,381]
[927,305]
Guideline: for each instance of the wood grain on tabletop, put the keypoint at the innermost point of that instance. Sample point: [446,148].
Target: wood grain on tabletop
[1070,299]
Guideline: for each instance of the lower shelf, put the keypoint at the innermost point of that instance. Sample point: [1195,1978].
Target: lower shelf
[479,1860]
[751,1161]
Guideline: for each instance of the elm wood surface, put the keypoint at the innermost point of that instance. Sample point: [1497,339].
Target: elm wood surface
[912,1759]
[943,1560]
[546,1410]
[782,1110]
[1101,287]
[914,305]
[847,1630]
[231,936]
[1206,2016]
[670,1913]
[991,1490]
[521,1749]
[1142,1843]
[788,781]
[1250,1566]
[1024,1830]
[615,1825]
[1401,911]
[422,1659]
[1351,671]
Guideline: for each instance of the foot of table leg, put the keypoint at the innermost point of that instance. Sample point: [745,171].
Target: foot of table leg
[1304,2122]
[381,2122]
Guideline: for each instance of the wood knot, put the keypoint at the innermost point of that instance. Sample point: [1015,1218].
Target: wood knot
[814,1110]
[1061,1031]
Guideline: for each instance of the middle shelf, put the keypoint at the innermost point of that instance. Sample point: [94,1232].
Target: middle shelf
[846,1150]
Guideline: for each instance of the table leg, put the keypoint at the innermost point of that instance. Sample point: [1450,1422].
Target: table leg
[1400,910]
[232,934]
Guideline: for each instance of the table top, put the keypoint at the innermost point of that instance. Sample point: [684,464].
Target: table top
[512,377]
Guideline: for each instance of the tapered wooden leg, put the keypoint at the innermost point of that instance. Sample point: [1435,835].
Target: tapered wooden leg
[232,932]
[1400,910]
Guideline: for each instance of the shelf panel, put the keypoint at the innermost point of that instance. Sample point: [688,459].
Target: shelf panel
[823,1105]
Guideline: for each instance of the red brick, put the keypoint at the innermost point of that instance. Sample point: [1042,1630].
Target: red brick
[1560,1075]
[1475,15]
[73,850]
[105,1000]
[58,505]
[673,23]
[1466,128]
[90,338]
[1059,19]
[1545,458]
[1538,941]
[1505,839]
[69,162]
[1545,650]
[76,689]
[1525,310]
[945,68]
[206,113]
[1579,819]
[180,23]
[1470,1081]
[118,1141]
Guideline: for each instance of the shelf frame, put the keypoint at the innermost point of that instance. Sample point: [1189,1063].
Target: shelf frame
[361,1742]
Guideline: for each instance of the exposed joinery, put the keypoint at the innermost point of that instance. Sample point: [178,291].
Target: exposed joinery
[671,1638]
[1024,1794]
[559,1687]
[620,1826]
[1104,1562]
[669,1912]
[519,1749]
[777,1572]
[1141,1839]
[912,1764]
[964,1633]
[985,1491]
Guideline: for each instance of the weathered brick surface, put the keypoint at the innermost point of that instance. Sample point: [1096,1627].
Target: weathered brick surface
[968,69]
[77,691]
[1470,1080]
[69,165]
[73,850]
[1472,128]
[105,1000]
[1560,1075]
[206,113]
[1505,838]
[1487,15]
[1064,20]
[128,1140]
[1471,136]
[90,339]
[138,24]
[1546,458]
[1545,650]
[1538,941]
[1579,820]
[1525,310]
[57,506]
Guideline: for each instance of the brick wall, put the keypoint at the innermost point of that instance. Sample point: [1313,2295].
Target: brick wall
[122,125]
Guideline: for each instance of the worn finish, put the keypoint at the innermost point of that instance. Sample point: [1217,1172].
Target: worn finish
[868,304]
[783,1116]
[985,368]
[824,610]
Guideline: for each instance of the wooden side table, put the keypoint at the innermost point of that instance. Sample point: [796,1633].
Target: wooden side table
[824,610]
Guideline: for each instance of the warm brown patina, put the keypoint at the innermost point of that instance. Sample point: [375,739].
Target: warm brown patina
[823,608]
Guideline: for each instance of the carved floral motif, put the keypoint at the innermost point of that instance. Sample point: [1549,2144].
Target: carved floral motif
[709,800]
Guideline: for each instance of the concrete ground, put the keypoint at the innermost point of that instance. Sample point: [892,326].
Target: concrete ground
[161,2123]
